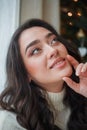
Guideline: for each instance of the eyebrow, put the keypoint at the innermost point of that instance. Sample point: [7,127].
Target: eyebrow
[37,41]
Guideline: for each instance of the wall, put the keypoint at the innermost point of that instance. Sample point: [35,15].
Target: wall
[9,20]
[45,9]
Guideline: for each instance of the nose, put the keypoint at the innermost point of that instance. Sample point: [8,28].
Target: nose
[52,52]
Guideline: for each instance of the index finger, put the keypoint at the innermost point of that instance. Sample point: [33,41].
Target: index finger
[73,61]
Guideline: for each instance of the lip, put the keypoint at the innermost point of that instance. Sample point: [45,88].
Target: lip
[58,63]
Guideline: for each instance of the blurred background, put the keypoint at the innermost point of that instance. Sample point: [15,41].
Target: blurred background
[69,17]
[73,19]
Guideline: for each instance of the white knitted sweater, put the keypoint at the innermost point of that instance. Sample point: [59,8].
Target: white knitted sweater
[8,121]
[60,111]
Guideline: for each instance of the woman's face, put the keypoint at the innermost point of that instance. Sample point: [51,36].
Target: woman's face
[44,58]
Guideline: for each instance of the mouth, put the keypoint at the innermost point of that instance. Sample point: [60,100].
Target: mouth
[58,63]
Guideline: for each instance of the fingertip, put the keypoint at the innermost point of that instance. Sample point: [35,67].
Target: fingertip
[83,69]
[69,56]
[64,78]
[77,74]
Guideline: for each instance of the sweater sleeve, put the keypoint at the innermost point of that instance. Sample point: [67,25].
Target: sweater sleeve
[8,121]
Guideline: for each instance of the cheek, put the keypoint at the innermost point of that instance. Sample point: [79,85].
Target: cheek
[32,68]
[64,50]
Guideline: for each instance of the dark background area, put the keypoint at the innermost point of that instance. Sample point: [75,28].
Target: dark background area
[74,23]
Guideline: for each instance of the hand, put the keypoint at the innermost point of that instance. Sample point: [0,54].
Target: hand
[81,71]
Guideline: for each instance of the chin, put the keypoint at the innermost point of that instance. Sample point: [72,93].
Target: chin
[68,72]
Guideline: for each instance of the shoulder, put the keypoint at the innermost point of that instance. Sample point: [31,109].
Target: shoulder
[8,121]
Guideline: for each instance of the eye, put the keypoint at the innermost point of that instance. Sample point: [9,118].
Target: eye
[35,51]
[54,41]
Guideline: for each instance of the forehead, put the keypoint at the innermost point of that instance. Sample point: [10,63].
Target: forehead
[33,33]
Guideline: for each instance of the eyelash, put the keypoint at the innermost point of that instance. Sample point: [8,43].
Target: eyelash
[35,49]
[54,40]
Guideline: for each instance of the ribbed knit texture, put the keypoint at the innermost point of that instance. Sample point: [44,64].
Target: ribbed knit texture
[60,111]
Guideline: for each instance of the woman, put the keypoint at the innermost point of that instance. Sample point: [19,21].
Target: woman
[41,70]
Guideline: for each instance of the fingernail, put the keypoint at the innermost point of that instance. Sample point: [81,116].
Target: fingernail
[83,70]
[77,74]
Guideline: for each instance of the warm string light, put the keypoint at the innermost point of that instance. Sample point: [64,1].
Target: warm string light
[80,34]
[79,14]
[82,48]
[69,14]
[75,0]
[70,23]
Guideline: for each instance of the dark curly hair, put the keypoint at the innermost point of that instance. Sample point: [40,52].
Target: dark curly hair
[27,100]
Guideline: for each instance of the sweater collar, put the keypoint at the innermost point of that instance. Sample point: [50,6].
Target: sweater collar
[56,100]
